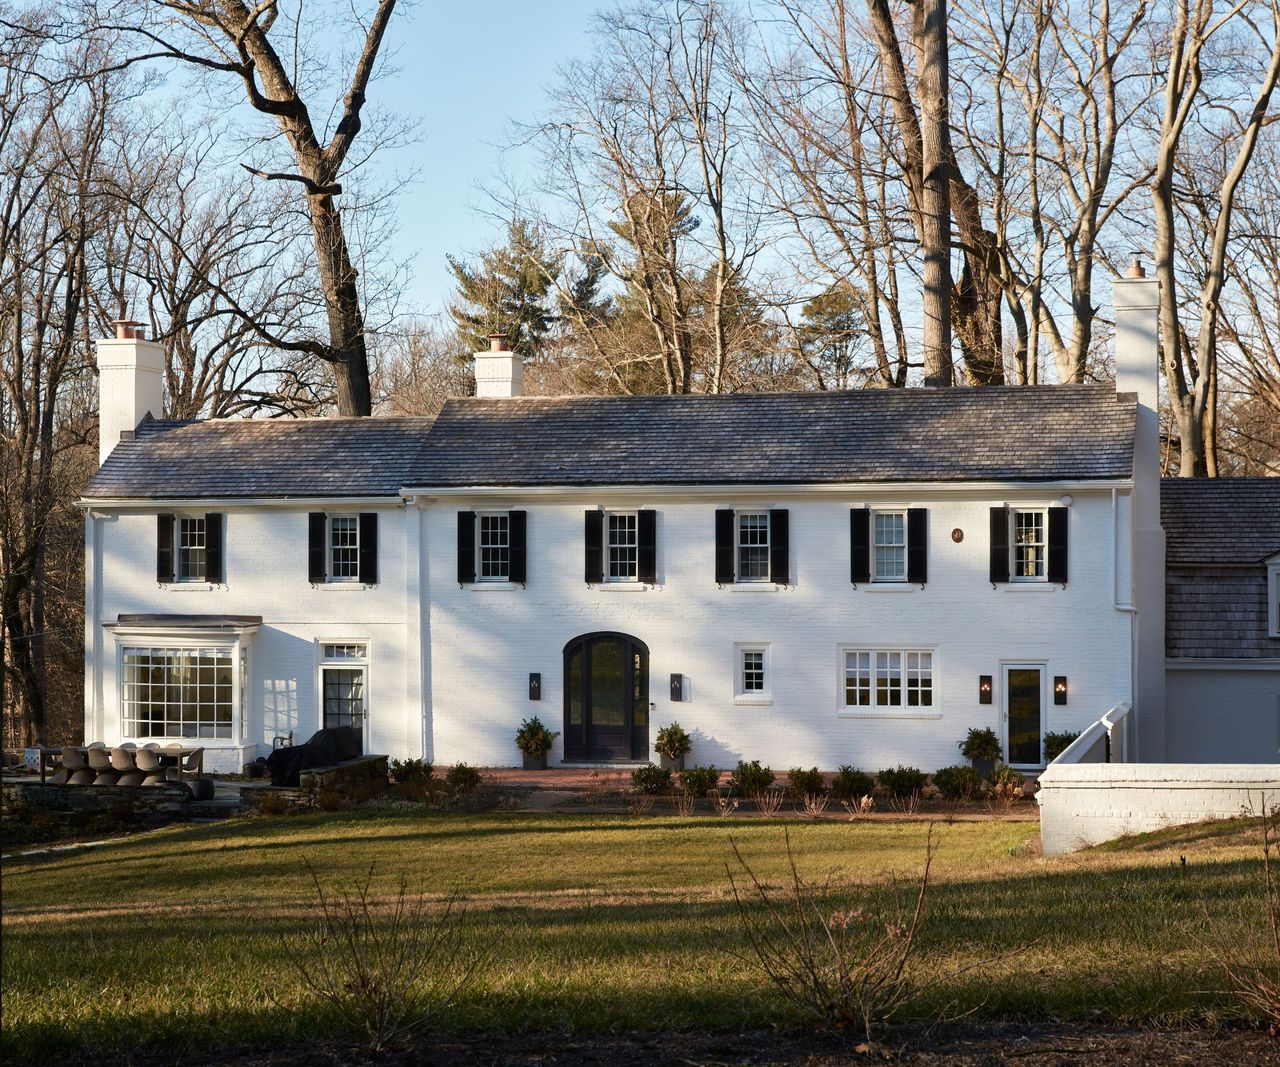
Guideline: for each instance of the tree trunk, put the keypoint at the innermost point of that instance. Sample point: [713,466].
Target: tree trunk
[935,202]
[342,305]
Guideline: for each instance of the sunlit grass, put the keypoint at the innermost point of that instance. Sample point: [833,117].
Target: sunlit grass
[600,923]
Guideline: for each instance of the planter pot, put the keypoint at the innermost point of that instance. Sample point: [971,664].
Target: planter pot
[984,767]
[535,763]
[669,764]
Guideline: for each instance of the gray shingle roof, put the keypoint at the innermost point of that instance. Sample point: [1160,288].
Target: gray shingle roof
[264,458]
[1220,520]
[1007,433]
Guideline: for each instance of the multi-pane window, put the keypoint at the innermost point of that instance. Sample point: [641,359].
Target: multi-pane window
[753,547]
[190,549]
[1029,545]
[177,692]
[494,546]
[344,548]
[879,678]
[890,546]
[344,651]
[621,547]
[753,670]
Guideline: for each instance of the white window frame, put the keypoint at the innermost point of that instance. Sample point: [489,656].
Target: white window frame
[608,546]
[876,710]
[1273,597]
[738,516]
[231,650]
[1043,544]
[742,695]
[876,545]
[329,548]
[481,516]
[178,548]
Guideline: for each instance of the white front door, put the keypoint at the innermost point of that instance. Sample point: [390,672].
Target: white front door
[1024,704]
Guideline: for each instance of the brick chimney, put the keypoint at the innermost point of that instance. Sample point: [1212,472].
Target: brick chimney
[130,383]
[1136,299]
[499,372]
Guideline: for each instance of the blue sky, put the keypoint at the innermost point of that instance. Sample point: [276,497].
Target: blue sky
[466,70]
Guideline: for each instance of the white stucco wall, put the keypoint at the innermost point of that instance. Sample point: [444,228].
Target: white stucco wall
[486,641]
[265,574]
[1088,803]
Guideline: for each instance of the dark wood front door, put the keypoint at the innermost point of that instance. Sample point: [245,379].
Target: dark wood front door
[606,698]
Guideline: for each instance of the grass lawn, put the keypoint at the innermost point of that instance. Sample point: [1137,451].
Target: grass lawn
[599,923]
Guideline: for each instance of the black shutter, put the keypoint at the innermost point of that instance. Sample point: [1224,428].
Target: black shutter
[918,545]
[779,547]
[317,571]
[724,546]
[999,545]
[859,545]
[164,548]
[594,546]
[647,546]
[213,547]
[369,547]
[1057,570]
[517,559]
[466,547]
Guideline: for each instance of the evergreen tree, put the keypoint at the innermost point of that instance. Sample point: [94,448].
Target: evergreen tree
[507,291]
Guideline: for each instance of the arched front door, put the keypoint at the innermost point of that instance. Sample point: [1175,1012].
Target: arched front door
[606,697]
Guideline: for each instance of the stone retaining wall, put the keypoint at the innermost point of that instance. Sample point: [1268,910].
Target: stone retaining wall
[1087,803]
[18,798]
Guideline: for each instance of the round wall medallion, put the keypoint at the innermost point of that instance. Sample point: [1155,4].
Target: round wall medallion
[957,535]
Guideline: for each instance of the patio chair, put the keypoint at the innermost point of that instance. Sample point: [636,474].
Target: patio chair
[107,778]
[81,777]
[148,761]
[131,778]
[122,760]
[99,758]
[74,766]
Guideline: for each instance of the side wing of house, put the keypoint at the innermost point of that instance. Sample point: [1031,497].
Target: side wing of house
[1222,636]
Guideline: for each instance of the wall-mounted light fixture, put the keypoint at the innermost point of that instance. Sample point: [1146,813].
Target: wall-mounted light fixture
[1059,688]
[984,689]
[677,688]
[535,686]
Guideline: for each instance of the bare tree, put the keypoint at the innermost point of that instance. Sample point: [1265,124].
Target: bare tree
[929,32]
[233,38]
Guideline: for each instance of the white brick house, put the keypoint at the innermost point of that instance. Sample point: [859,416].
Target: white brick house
[821,578]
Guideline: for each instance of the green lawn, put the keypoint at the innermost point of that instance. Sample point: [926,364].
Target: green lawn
[599,922]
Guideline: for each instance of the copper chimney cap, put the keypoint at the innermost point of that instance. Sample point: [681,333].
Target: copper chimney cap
[1136,269]
[128,330]
[498,342]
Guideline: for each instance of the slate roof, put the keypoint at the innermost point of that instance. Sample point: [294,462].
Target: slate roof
[1220,520]
[264,458]
[898,435]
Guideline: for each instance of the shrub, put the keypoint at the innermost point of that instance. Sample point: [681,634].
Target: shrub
[651,779]
[411,770]
[957,783]
[802,783]
[980,744]
[461,779]
[902,781]
[851,784]
[1056,743]
[268,802]
[673,742]
[1008,778]
[534,739]
[750,778]
[387,977]
[699,781]
[330,800]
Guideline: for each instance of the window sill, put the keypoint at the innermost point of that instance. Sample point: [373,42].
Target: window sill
[623,587]
[492,587]
[189,587]
[889,587]
[1030,587]
[756,702]
[341,587]
[757,587]
[843,713]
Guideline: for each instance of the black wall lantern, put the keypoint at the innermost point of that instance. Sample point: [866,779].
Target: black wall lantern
[1059,688]
[535,686]
[984,689]
[677,688]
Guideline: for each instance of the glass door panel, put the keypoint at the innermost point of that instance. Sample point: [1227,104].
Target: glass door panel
[1023,686]
[344,698]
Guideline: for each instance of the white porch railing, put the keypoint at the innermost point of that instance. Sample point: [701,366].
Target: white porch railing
[1105,741]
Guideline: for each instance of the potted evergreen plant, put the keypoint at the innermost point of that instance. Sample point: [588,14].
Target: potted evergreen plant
[982,747]
[534,741]
[672,745]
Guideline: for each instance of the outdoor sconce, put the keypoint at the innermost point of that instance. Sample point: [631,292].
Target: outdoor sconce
[677,688]
[535,686]
[984,689]
[1059,688]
